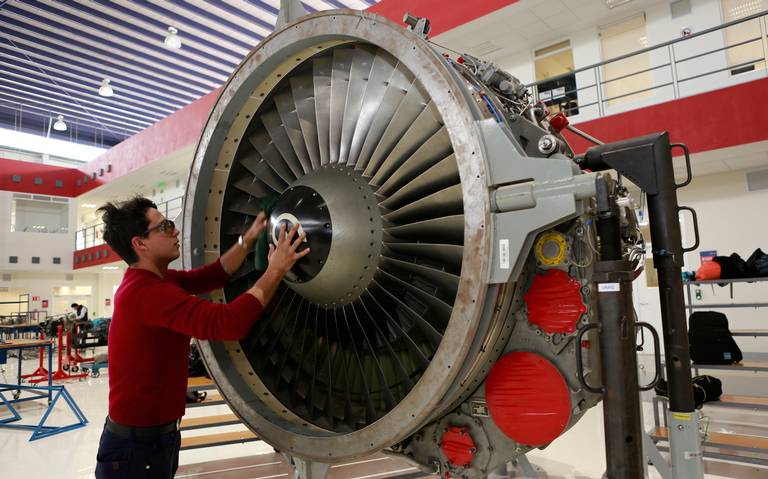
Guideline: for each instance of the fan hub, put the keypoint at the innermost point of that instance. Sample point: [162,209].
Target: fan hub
[303,205]
[339,213]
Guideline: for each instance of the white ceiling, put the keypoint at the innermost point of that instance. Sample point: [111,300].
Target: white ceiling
[742,157]
[525,25]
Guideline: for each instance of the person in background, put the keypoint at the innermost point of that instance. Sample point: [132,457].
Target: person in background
[81,311]
[155,314]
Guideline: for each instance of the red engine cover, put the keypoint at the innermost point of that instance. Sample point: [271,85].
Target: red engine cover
[528,398]
[554,302]
[458,446]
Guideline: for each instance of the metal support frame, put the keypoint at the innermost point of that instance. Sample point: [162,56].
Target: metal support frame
[621,399]
[647,162]
[290,10]
[16,388]
[309,469]
[40,430]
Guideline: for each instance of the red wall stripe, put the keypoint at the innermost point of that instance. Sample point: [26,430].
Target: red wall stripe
[443,15]
[87,257]
[708,121]
[46,174]
[179,129]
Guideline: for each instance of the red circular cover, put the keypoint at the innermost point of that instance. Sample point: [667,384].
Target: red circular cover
[528,398]
[554,302]
[458,446]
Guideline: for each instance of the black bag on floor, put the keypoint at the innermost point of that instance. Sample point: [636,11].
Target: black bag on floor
[710,339]
[705,389]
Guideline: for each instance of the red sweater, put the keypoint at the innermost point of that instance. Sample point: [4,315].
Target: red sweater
[149,336]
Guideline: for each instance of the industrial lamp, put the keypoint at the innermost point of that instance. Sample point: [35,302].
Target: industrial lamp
[172,40]
[106,89]
[60,125]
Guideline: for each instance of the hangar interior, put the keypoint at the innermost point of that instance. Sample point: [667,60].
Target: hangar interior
[535,232]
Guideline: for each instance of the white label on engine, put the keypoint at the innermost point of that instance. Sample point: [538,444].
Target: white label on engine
[504,254]
[608,287]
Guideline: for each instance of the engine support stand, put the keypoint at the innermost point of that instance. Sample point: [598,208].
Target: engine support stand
[647,162]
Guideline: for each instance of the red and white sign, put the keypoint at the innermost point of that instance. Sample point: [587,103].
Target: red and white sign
[45,303]
[35,298]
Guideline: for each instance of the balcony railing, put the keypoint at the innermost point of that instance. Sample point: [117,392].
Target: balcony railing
[692,64]
[93,235]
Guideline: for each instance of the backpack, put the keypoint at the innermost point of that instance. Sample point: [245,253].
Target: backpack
[732,267]
[710,339]
[705,389]
[758,263]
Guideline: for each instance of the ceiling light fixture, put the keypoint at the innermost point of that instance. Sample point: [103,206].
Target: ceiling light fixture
[105,89]
[110,267]
[615,3]
[172,40]
[89,205]
[60,125]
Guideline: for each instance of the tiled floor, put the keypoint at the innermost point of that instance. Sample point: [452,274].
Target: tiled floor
[579,454]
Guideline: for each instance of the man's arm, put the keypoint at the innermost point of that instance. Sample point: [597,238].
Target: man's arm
[211,276]
[202,319]
[234,257]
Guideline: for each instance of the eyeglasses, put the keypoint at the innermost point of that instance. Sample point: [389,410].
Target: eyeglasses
[165,226]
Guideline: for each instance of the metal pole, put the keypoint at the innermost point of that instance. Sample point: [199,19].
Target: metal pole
[621,401]
[648,161]
[764,41]
[599,86]
[673,70]
[685,443]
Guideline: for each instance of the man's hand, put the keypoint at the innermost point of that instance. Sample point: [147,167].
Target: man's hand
[283,256]
[255,230]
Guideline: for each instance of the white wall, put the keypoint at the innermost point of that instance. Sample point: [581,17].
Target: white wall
[28,244]
[660,28]
[42,285]
[730,220]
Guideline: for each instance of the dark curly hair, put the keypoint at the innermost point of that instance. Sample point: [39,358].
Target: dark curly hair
[123,221]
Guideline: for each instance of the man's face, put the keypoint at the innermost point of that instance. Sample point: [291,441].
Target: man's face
[162,241]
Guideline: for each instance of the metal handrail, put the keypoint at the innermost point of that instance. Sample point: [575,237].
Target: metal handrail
[655,47]
[91,236]
[671,64]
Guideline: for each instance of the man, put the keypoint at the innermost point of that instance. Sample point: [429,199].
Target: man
[155,315]
[81,312]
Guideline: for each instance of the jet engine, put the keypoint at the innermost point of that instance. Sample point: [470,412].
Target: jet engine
[452,243]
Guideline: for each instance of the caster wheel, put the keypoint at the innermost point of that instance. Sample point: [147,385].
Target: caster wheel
[74,369]
[95,374]
[65,367]
[16,394]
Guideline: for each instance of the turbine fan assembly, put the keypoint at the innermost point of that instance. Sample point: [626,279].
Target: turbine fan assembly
[424,312]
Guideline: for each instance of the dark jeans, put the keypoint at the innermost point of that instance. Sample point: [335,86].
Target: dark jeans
[154,457]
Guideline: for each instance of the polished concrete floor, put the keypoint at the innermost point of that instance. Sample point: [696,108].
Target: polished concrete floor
[579,454]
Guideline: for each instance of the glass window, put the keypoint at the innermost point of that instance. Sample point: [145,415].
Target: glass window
[629,79]
[743,42]
[559,94]
[35,216]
